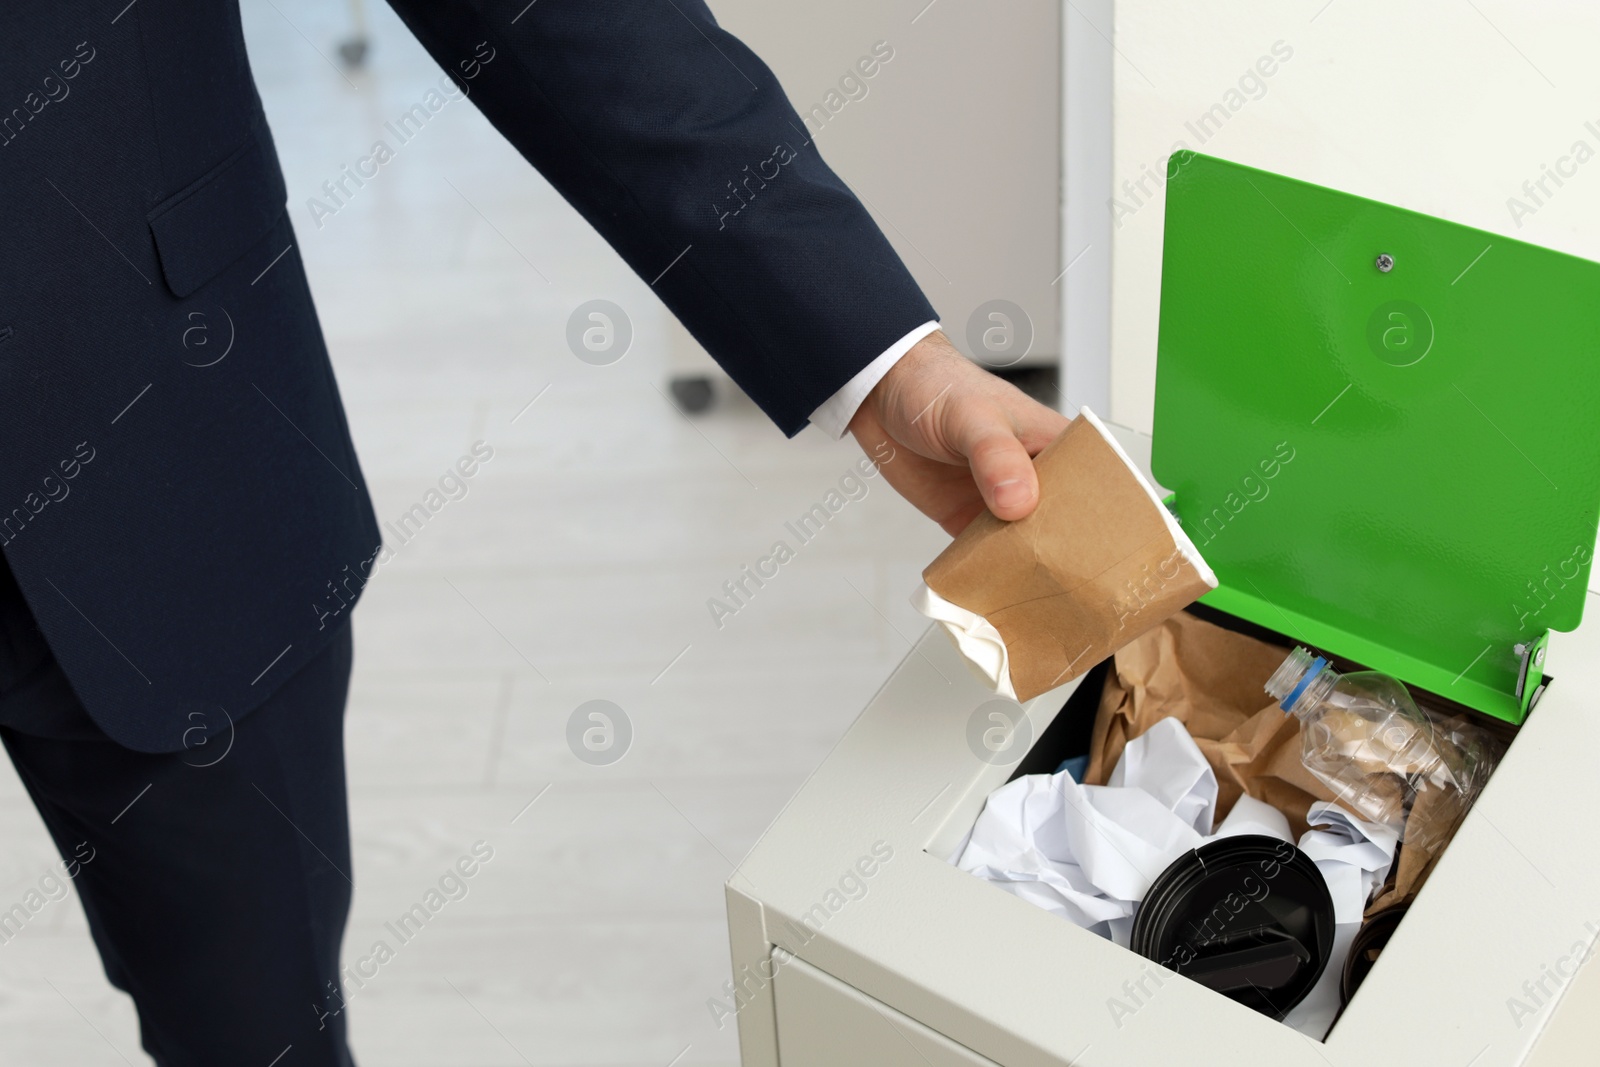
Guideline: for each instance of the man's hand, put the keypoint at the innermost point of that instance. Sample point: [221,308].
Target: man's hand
[962,439]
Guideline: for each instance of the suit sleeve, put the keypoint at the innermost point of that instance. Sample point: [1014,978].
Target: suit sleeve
[677,144]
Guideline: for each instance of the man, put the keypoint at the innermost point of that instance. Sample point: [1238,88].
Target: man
[181,507]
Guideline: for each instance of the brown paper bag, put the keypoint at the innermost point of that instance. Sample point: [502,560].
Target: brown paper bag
[1098,563]
[1435,816]
[1439,813]
[1211,680]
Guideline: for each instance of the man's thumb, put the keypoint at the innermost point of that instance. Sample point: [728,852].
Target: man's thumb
[1004,472]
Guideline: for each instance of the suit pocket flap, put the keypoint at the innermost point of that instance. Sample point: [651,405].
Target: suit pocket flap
[214,221]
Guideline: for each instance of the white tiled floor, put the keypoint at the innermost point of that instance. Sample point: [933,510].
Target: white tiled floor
[590,543]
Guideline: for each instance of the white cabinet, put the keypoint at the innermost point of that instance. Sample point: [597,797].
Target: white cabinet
[824,1023]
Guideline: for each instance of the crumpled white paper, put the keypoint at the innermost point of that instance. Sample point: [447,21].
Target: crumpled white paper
[1353,856]
[1090,853]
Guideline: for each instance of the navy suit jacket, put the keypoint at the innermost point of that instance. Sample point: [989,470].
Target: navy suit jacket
[180,500]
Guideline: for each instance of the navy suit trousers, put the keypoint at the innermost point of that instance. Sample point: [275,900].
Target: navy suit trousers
[216,879]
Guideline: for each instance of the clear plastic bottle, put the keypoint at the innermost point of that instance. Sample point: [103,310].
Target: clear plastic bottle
[1384,758]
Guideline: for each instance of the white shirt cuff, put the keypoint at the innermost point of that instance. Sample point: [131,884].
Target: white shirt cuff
[833,417]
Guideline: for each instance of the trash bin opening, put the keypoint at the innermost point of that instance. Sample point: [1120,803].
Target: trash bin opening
[1068,743]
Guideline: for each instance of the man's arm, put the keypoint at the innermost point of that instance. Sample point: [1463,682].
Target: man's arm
[676,143]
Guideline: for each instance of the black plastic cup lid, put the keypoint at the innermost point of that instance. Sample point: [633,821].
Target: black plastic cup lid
[1249,917]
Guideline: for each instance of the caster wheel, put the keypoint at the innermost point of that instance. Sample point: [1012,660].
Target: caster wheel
[693,395]
[354,52]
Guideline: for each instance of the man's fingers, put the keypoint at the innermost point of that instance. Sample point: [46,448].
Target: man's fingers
[968,437]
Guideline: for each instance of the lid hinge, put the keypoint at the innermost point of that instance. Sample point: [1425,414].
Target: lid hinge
[1530,671]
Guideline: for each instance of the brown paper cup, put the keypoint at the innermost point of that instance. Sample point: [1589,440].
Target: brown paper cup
[1098,563]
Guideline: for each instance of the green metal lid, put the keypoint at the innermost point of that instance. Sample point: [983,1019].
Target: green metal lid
[1382,429]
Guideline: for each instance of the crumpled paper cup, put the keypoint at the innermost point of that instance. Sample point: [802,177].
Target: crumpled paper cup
[1034,603]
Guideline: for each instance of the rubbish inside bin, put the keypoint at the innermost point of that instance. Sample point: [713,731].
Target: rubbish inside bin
[1249,917]
[1366,948]
[1184,756]
[1075,767]
[1433,821]
[1092,854]
[1035,603]
[1209,679]
[1366,739]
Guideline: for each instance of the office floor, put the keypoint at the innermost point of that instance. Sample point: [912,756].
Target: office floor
[577,567]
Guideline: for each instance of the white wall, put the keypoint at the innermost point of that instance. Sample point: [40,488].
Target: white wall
[954,144]
[1442,106]
[1086,84]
